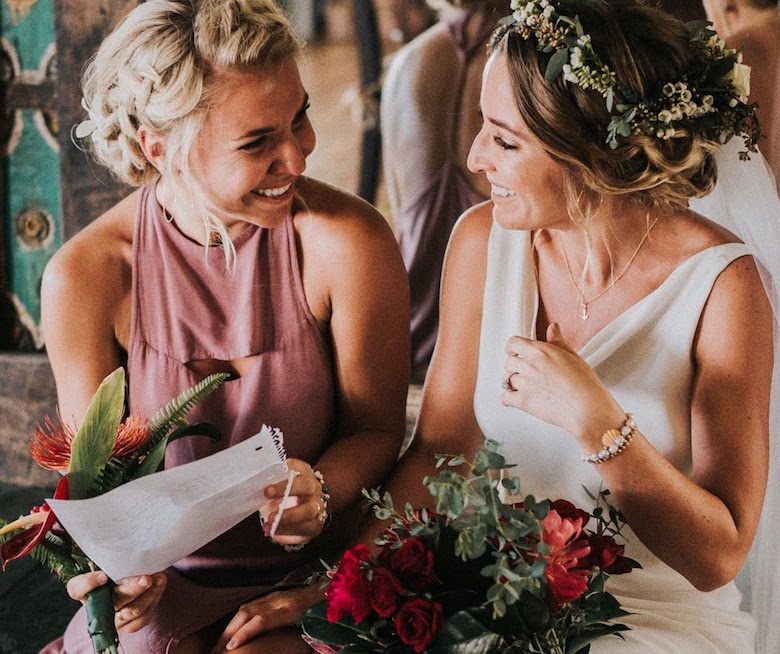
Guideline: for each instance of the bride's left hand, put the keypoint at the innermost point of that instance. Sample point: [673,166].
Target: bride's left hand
[279,609]
[304,515]
[552,382]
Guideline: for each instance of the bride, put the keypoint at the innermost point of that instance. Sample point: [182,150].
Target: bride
[608,335]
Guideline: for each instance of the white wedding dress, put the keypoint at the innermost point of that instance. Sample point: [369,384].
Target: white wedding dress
[644,358]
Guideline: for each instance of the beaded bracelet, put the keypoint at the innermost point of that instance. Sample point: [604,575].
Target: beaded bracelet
[324,514]
[614,441]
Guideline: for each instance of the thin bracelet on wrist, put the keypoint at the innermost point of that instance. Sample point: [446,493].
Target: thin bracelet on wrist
[324,514]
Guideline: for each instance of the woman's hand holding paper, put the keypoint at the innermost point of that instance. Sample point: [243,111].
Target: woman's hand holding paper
[292,518]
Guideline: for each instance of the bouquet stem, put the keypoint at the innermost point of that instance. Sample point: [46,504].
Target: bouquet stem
[99,606]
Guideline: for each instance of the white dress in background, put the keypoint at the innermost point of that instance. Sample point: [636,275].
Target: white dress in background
[644,358]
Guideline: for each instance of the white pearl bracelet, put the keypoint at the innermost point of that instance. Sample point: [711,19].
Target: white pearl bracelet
[614,441]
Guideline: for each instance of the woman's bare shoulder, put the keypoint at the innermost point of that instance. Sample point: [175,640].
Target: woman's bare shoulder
[691,232]
[472,230]
[331,211]
[100,252]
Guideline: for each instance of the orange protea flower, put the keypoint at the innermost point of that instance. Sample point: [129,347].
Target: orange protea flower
[132,433]
[50,445]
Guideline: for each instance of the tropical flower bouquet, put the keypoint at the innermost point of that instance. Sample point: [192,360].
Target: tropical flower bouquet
[478,575]
[104,453]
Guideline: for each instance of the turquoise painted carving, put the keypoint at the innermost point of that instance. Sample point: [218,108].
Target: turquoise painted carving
[33,229]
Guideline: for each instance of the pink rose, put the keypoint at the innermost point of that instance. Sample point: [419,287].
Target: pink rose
[567,580]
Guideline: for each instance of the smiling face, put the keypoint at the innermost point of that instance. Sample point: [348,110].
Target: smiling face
[253,145]
[527,184]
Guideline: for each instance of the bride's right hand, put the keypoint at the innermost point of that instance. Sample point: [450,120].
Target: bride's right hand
[135,598]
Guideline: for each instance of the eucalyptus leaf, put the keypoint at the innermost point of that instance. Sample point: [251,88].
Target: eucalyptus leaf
[696,26]
[92,445]
[556,64]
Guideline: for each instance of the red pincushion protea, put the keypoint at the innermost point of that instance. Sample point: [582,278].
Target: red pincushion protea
[50,445]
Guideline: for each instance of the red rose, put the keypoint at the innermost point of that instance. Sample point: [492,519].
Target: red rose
[566,509]
[418,621]
[385,592]
[607,555]
[412,563]
[348,592]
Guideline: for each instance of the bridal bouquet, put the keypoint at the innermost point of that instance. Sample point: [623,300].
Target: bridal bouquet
[476,575]
[104,453]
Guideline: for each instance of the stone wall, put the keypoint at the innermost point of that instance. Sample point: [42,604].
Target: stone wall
[27,394]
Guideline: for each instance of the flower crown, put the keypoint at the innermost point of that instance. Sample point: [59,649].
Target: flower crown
[710,99]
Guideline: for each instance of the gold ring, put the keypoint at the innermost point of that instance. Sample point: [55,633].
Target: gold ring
[506,383]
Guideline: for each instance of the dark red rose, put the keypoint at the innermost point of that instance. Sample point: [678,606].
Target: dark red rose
[566,509]
[348,592]
[412,563]
[607,555]
[385,592]
[418,621]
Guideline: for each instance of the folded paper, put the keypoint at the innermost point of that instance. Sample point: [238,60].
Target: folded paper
[148,524]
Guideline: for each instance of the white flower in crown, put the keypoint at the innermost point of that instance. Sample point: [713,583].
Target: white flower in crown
[568,75]
[681,102]
[576,58]
[740,80]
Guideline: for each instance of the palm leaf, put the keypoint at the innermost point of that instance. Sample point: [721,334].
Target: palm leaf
[154,459]
[174,412]
[92,445]
[119,470]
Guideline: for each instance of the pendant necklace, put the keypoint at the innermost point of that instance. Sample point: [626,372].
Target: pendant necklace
[585,302]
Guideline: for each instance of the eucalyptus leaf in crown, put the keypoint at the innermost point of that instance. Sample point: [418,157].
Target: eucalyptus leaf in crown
[710,98]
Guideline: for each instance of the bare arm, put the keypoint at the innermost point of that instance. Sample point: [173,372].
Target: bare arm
[358,261]
[85,296]
[704,527]
[355,282]
[413,126]
[447,423]
[85,317]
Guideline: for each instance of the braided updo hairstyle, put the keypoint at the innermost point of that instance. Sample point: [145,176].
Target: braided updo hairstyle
[155,69]
[646,48]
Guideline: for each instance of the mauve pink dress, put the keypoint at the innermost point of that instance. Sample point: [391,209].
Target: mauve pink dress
[186,307]
[424,225]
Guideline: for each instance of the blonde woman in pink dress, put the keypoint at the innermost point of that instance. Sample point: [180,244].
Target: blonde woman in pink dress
[227,258]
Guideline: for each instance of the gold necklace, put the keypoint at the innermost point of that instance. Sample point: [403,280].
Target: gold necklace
[583,302]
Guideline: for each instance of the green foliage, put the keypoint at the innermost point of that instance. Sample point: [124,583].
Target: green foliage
[148,458]
[92,445]
[490,568]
